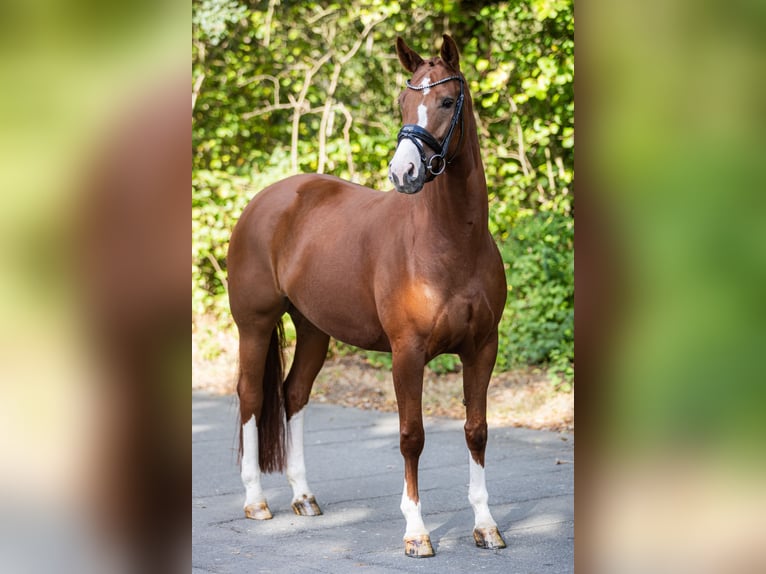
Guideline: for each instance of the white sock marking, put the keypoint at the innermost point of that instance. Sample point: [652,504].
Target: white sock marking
[296,466]
[477,495]
[411,511]
[251,472]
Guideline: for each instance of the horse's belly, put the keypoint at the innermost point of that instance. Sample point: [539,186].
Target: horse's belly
[370,340]
[345,316]
[352,329]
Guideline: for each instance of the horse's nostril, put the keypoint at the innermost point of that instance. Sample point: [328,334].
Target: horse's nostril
[411,170]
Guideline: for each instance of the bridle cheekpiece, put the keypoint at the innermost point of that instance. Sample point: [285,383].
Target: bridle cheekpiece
[437,163]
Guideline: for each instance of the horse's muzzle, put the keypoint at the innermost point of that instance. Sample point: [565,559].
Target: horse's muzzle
[406,171]
[409,186]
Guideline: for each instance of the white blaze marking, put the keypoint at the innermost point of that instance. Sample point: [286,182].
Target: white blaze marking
[422,116]
[477,495]
[251,473]
[296,467]
[422,110]
[411,511]
[425,82]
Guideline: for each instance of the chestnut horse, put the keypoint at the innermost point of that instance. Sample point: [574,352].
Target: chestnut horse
[414,273]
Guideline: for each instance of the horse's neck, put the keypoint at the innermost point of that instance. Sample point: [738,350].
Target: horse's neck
[456,201]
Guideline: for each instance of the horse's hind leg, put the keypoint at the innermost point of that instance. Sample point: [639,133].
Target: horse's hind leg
[477,371]
[310,353]
[260,415]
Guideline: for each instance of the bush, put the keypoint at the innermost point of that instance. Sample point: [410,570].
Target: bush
[538,322]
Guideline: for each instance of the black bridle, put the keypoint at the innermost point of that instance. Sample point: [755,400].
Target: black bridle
[419,136]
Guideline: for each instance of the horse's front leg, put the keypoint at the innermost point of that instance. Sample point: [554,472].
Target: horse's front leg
[408,366]
[477,371]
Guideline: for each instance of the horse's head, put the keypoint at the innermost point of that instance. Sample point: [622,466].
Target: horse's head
[432,108]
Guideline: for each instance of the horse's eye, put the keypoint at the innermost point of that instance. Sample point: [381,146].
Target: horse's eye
[447,102]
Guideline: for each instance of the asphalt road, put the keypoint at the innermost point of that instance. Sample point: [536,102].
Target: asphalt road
[355,470]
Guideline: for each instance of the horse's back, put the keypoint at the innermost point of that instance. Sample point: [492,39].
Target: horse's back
[300,206]
[307,239]
[298,194]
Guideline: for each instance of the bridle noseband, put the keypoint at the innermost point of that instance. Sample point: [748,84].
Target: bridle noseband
[436,164]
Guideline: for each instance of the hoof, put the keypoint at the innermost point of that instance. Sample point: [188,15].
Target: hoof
[418,547]
[488,538]
[258,511]
[307,506]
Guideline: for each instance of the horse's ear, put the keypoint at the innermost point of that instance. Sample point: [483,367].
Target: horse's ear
[449,53]
[407,56]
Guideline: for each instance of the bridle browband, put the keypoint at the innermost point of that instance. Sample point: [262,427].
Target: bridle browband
[419,136]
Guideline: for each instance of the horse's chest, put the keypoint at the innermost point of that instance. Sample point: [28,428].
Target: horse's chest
[443,317]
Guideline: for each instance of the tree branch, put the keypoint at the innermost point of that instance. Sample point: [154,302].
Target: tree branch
[321,14]
[267,110]
[328,107]
[201,54]
[347,140]
[297,109]
[520,137]
[218,271]
[526,165]
[549,166]
[259,78]
[270,109]
[196,88]
[323,124]
[267,25]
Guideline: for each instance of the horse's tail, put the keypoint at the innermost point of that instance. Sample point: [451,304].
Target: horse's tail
[272,433]
[271,425]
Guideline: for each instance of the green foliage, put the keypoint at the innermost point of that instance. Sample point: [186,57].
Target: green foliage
[218,199]
[379,360]
[538,321]
[445,364]
[211,18]
[283,87]
[441,364]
